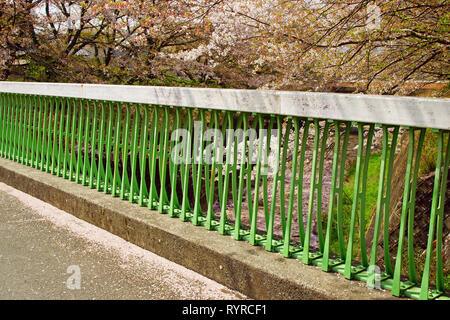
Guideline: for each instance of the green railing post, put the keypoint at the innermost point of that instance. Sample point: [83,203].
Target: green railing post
[187,160]
[287,233]
[143,153]
[173,204]
[108,188]
[275,181]
[383,199]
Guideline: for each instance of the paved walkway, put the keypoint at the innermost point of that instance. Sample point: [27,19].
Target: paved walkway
[46,253]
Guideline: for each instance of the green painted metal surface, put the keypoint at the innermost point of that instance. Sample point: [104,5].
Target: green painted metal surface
[227,171]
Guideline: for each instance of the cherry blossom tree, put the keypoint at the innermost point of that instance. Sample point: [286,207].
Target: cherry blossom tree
[379,46]
[79,40]
[383,47]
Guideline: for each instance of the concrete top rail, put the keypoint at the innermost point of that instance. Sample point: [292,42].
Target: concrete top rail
[405,111]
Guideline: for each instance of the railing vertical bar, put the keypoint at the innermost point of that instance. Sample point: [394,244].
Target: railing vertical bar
[72,162]
[79,142]
[197,167]
[93,180]
[381,204]
[19,130]
[60,138]
[2,122]
[331,205]
[153,195]
[219,156]
[44,130]
[275,178]
[109,140]
[28,130]
[10,127]
[240,191]
[163,153]
[319,186]
[49,147]
[412,200]
[6,126]
[134,154]
[362,195]
[306,247]
[43,134]
[143,153]
[66,136]
[226,180]
[125,185]
[340,193]
[101,183]
[283,174]
[235,153]
[20,125]
[424,292]
[38,135]
[348,271]
[5,120]
[30,125]
[254,216]
[136,143]
[187,160]
[24,130]
[15,125]
[54,135]
[117,136]
[266,173]
[287,233]
[206,164]
[387,258]
[396,286]
[212,179]
[301,223]
[33,134]
[248,168]
[86,143]
[18,111]
[173,163]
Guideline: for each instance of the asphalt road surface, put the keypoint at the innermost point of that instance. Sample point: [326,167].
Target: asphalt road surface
[46,253]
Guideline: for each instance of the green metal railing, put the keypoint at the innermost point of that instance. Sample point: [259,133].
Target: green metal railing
[137,152]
